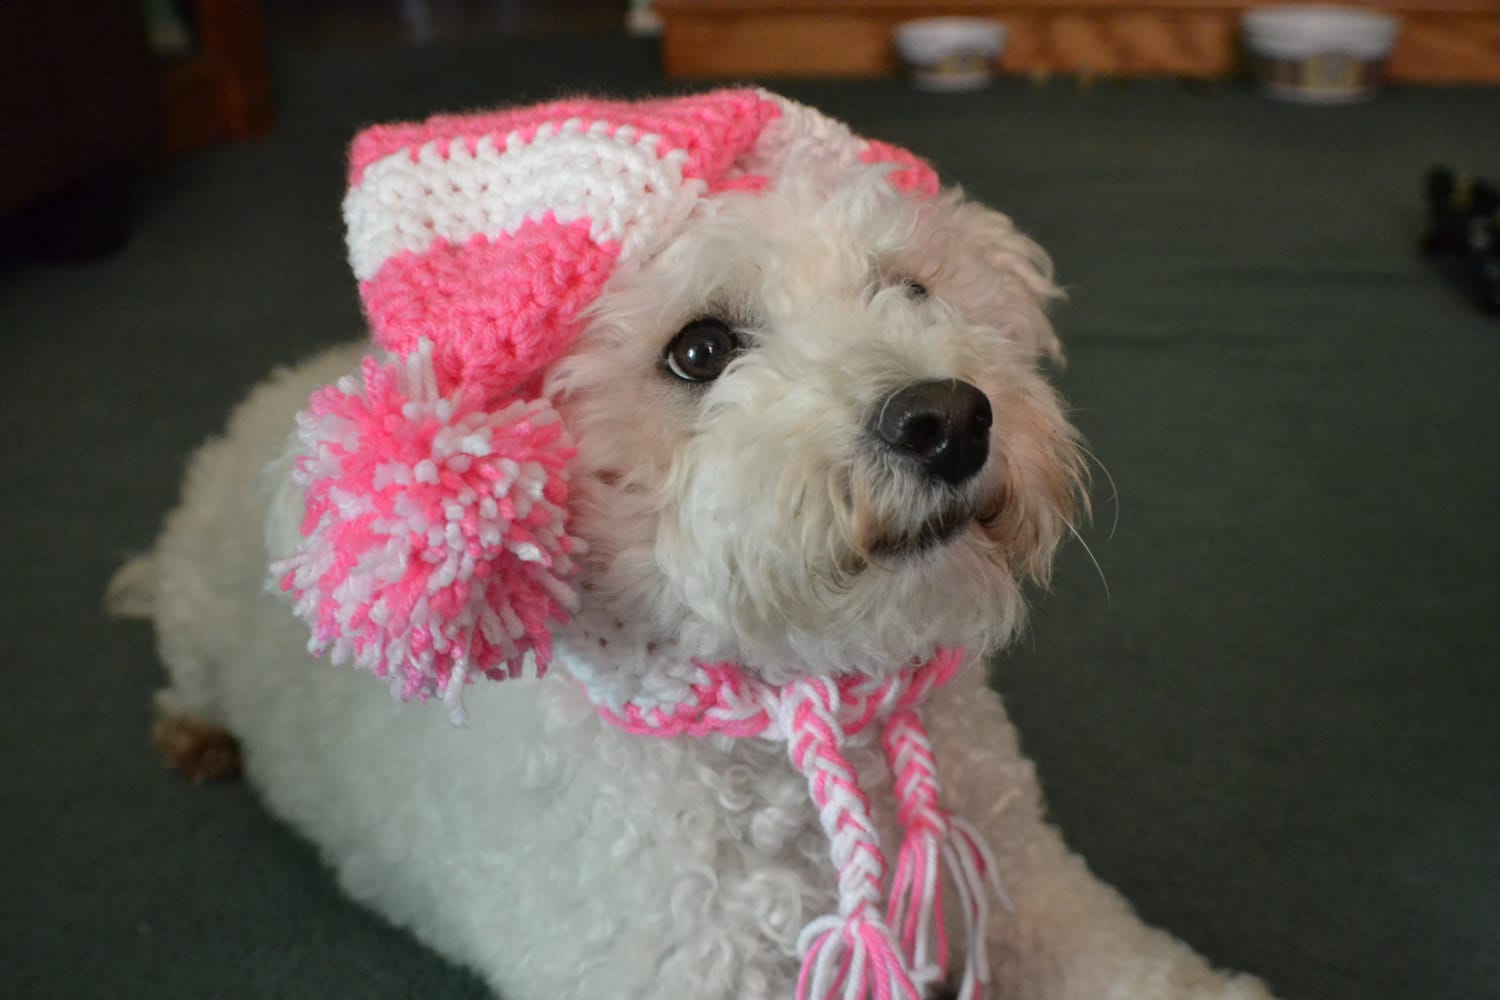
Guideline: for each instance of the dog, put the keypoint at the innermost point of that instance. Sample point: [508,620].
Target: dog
[794,459]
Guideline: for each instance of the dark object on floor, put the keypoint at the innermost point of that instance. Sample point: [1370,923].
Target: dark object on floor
[1464,226]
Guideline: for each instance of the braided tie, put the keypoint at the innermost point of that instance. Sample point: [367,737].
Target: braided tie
[852,954]
[930,831]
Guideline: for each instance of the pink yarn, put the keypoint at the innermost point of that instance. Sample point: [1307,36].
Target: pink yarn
[434,546]
[497,309]
[727,700]
[435,540]
[479,241]
[916,177]
[851,954]
[864,950]
[933,833]
[916,906]
[714,129]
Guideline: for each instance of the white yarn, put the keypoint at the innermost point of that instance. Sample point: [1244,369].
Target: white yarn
[802,134]
[573,170]
[412,529]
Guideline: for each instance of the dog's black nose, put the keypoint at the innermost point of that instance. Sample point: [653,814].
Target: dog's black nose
[944,424]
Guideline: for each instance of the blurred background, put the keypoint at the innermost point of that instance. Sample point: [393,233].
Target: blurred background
[1263,700]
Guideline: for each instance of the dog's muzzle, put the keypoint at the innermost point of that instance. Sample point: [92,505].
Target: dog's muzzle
[943,424]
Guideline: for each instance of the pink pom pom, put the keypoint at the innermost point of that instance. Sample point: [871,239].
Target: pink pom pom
[434,537]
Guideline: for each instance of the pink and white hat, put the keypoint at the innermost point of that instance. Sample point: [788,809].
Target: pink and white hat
[435,538]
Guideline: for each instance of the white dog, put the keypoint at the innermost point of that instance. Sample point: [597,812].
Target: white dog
[813,446]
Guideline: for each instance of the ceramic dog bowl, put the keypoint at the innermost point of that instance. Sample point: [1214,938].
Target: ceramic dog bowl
[1317,54]
[950,53]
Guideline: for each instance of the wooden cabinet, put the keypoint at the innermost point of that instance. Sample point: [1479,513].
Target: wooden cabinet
[1440,40]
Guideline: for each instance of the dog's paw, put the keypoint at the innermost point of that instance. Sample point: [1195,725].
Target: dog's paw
[197,750]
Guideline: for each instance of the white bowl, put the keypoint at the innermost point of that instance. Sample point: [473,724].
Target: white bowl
[950,53]
[1319,54]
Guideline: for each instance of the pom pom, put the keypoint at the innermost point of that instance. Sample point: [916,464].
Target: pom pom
[434,541]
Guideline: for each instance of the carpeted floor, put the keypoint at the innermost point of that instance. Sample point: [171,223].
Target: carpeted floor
[1278,730]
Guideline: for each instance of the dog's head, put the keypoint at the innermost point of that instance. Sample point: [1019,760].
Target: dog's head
[802,383]
[812,432]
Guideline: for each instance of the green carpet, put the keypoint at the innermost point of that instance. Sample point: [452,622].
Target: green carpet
[1278,731]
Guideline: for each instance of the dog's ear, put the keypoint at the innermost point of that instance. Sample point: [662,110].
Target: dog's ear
[998,276]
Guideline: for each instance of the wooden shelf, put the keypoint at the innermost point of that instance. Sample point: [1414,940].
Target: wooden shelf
[1440,40]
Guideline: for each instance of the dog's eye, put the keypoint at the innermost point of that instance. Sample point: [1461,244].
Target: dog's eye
[915,290]
[701,350]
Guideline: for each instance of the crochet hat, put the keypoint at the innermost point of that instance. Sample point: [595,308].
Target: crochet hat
[436,543]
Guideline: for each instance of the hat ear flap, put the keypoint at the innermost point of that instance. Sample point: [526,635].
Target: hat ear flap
[434,539]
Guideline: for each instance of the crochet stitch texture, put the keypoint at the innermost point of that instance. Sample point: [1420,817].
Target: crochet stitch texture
[436,546]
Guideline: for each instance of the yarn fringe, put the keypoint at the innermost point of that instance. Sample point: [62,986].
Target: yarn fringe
[435,548]
[930,833]
[853,958]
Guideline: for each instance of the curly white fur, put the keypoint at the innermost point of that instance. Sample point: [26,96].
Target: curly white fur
[750,519]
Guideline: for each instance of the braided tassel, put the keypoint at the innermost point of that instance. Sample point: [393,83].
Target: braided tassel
[916,907]
[849,955]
